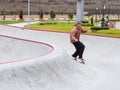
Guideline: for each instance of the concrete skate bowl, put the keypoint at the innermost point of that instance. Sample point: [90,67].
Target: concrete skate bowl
[51,72]
[57,71]
[54,71]
[15,49]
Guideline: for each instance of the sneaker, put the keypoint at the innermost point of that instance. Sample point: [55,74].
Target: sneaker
[74,58]
[81,60]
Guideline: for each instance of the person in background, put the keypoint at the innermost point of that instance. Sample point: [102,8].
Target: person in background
[75,40]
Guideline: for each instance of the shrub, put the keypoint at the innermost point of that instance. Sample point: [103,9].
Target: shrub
[86,24]
[4,14]
[41,23]
[52,14]
[41,14]
[70,15]
[48,23]
[21,14]
[85,21]
[99,28]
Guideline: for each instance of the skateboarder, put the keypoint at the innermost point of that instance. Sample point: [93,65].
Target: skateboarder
[75,40]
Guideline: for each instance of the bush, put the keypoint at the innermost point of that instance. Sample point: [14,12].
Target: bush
[99,28]
[85,21]
[21,14]
[70,15]
[3,12]
[41,23]
[52,14]
[86,24]
[41,15]
[48,23]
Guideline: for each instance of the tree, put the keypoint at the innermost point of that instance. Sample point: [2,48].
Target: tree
[41,14]
[21,14]
[52,14]
[4,14]
[70,15]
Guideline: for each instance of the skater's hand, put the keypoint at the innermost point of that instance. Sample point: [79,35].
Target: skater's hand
[76,40]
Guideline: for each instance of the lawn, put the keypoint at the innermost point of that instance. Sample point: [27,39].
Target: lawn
[66,26]
[8,22]
[111,32]
[61,26]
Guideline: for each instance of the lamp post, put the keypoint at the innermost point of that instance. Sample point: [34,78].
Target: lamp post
[104,10]
[80,10]
[96,13]
[39,10]
[28,13]
[108,8]
[103,13]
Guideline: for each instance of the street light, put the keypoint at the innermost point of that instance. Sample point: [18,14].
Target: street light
[104,10]
[39,9]
[96,12]
[108,8]
[80,10]
[103,13]
[28,13]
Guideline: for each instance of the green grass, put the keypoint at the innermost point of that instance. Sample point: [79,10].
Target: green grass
[65,26]
[55,26]
[111,32]
[8,22]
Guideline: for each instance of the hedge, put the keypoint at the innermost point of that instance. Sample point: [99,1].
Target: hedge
[48,23]
[99,28]
[85,21]
[87,24]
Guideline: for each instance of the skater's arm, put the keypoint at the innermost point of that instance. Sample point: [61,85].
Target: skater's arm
[83,31]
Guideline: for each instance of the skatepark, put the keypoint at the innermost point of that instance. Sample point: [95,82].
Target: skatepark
[41,60]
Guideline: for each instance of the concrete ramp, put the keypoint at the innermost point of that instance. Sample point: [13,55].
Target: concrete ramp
[14,49]
[56,70]
[32,65]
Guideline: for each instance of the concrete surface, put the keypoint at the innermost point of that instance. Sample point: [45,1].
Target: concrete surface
[13,49]
[56,70]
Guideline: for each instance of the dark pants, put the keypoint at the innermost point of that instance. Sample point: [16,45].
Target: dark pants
[79,49]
